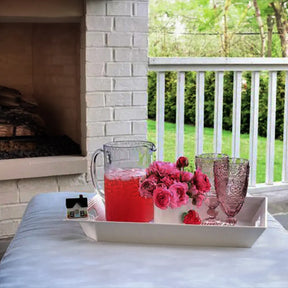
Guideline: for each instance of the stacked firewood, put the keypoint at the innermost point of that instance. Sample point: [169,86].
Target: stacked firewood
[18,116]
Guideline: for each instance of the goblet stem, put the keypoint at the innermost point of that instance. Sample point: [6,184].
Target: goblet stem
[211,220]
[231,221]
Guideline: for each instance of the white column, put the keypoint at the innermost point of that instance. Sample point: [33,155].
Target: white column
[160,115]
[218,111]
[270,145]
[285,135]
[236,121]
[254,127]
[200,89]
[180,114]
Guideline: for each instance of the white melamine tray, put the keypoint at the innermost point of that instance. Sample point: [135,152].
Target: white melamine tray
[252,221]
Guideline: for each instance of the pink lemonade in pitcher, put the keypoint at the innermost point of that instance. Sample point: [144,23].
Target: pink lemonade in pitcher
[122,198]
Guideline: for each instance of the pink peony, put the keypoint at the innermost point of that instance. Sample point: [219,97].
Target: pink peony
[199,198]
[147,187]
[162,197]
[179,196]
[182,162]
[167,181]
[186,176]
[161,169]
[201,181]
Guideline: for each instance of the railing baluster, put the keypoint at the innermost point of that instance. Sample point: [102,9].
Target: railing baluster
[271,127]
[236,123]
[254,127]
[285,135]
[180,114]
[160,115]
[218,111]
[200,82]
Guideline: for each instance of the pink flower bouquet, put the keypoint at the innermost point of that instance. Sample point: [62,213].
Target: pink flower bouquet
[170,186]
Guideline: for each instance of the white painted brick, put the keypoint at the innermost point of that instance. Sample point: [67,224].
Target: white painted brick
[141,9]
[140,98]
[98,84]
[99,23]
[140,40]
[31,187]
[120,8]
[139,127]
[99,114]
[99,55]
[131,24]
[131,113]
[119,39]
[132,55]
[96,7]
[118,128]
[130,137]
[95,39]
[95,99]
[74,183]
[9,192]
[95,69]
[8,227]
[95,129]
[132,83]
[118,69]
[12,211]
[118,99]
[140,69]
[94,143]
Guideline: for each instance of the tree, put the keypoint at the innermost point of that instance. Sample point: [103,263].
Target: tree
[280,12]
[261,26]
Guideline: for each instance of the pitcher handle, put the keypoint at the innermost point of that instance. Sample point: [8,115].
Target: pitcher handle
[93,173]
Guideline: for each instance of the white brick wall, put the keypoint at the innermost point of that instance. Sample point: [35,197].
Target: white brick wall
[119,39]
[123,79]
[114,89]
[15,195]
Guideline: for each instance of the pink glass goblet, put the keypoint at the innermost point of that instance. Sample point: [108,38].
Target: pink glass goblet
[205,162]
[231,187]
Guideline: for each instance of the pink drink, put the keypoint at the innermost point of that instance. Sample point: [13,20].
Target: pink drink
[122,198]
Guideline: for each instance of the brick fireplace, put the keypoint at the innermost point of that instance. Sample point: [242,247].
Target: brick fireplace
[84,63]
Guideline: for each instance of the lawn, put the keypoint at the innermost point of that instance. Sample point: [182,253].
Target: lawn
[189,146]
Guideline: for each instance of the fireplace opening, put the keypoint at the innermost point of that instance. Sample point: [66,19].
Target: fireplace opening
[39,89]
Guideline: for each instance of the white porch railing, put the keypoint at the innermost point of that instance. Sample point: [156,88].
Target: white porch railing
[219,66]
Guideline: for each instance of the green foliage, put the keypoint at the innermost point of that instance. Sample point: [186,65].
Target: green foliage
[190,100]
[189,146]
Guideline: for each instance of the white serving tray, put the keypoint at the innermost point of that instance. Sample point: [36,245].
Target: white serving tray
[252,221]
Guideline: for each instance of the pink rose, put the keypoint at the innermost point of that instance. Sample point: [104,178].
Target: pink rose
[161,185]
[182,162]
[192,217]
[179,196]
[161,169]
[167,181]
[199,198]
[186,176]
[161,197]
[147,187]
[201,181]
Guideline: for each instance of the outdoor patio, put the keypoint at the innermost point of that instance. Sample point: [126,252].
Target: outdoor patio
[84,64]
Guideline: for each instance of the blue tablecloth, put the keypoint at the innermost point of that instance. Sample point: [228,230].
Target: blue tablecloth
[49,252]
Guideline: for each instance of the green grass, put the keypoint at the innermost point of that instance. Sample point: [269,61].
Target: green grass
[189,147]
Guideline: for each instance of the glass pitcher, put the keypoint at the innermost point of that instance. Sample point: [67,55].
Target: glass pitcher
[124,165]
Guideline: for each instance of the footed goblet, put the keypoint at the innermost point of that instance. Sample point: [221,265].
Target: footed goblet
[231,187]
[205,162]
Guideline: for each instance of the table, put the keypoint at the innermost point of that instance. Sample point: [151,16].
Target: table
[49,252]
